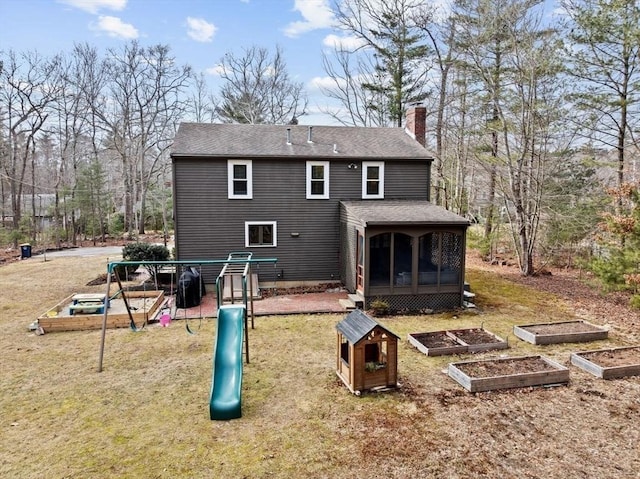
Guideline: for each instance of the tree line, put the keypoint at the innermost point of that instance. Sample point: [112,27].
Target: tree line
[531,117]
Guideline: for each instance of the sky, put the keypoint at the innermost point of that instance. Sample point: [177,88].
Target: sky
[199,32]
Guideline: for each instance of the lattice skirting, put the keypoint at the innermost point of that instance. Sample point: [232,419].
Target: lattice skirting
[419,302]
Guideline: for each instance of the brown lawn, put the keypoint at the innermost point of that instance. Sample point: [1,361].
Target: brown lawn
[146,414]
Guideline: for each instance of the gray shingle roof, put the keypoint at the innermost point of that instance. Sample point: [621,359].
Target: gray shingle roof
[238,140]
[357,325]
[401,212]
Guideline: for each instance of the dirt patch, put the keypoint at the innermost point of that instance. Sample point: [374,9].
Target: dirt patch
[475,336]
[436,339]
[317,288]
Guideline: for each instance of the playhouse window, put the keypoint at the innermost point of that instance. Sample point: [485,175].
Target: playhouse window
[317,180]
[375,356]
[371,352]
[261,234]
[344,350]
[372,179]
[239,179]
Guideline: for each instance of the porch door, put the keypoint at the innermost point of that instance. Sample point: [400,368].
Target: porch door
[360,263]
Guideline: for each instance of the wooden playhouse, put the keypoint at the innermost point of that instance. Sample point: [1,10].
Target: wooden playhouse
[366,354]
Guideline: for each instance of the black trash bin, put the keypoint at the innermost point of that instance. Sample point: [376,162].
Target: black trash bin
[25,250]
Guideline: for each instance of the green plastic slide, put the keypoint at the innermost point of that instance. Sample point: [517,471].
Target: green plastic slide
[226,382]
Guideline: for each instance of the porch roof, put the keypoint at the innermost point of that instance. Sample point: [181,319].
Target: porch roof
[357,325]
[401,212]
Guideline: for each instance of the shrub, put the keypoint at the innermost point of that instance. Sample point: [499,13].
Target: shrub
[146,252]
[379,307]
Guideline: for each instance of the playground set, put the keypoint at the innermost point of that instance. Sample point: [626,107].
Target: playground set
[234,308]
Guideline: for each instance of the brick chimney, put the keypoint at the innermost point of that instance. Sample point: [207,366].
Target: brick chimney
[416,122]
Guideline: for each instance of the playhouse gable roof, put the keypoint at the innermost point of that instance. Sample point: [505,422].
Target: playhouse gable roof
[357,325]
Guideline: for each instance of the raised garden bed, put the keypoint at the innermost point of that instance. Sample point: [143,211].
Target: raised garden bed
[478,339]
[560,332]
[505,373]
[609,363]
[436,343]
[457,341]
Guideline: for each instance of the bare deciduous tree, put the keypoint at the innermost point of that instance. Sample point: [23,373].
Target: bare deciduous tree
[25,94]
[257,89]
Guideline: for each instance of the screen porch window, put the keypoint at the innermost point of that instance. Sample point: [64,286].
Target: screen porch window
[393,258]
[317,180]
[372,179]
[240,181]
[260,234]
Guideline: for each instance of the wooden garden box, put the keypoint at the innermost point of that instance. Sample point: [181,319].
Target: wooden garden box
[560,332]
[436,343]
[456,341]
[505,373]
[609,363]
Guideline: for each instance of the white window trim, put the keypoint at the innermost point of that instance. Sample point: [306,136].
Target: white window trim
[365,167]
[274,225]
[230,178]
[325,195]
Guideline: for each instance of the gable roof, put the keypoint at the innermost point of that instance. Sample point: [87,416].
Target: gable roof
[240,140]
[357,325]
[401,212]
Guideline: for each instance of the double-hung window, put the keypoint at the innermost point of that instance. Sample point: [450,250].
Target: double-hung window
[260,234]
[317,180]
[372,179]
[240,181]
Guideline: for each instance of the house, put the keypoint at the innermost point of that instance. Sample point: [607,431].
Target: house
[366,354]
[331,203]
[39,204]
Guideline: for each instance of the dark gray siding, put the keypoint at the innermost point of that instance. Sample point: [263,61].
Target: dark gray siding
[406,180]
[210,226]
[348,243]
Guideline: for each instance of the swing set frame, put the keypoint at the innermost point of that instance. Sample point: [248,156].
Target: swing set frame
[244,259]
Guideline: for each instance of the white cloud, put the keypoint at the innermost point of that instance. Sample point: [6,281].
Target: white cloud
[114,27]
[348,43]
[94,6]
[216,70]
[316,14]
[323,83]
[200,30]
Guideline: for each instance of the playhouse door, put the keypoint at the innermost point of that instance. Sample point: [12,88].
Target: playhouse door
[360,263]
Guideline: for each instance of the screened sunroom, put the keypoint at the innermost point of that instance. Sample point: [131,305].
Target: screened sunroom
[409,254]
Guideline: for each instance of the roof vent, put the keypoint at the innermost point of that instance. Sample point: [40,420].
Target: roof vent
[335,148]
[288,136]
[309,138]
